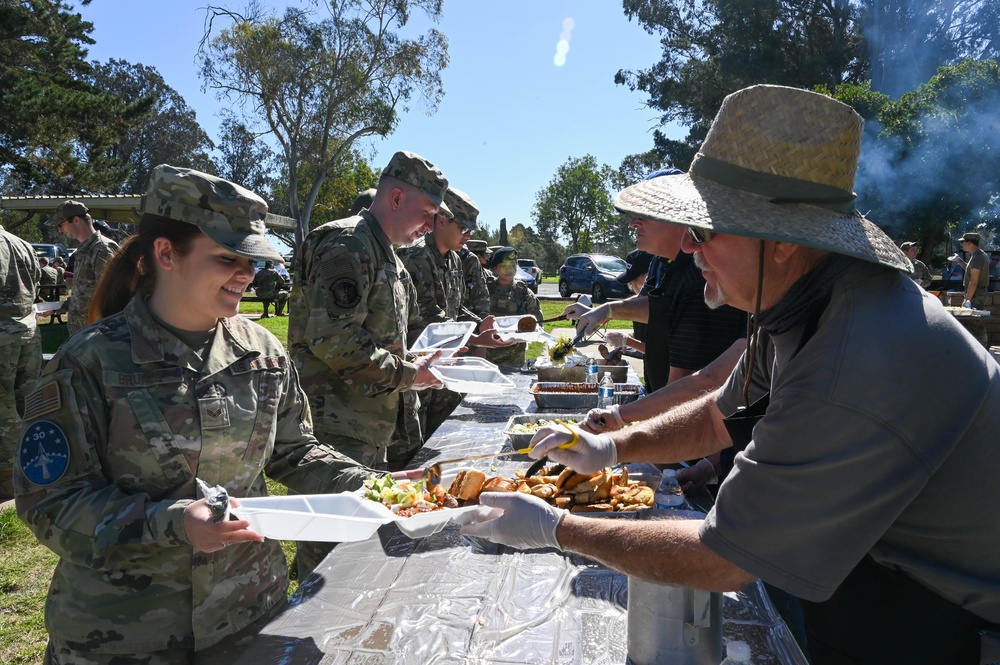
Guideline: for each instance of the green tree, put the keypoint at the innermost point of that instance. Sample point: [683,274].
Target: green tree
[577,204]
[55,127]
[319,86]
[244,158]
[168,133]
[931,158]
[712,48]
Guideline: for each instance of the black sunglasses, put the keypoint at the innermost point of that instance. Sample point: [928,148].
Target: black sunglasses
[699,236]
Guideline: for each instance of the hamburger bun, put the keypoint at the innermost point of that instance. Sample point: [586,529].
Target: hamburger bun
[467,484]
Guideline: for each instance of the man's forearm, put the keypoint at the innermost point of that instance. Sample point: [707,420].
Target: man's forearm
[687,431]
[667,551]
[706,380]
[635,308]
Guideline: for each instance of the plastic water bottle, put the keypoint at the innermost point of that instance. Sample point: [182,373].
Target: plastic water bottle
[669,493]
[591,370]
[606,394]
[736,652]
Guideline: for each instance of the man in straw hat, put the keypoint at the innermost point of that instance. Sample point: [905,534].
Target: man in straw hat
[351,304]
[855,491]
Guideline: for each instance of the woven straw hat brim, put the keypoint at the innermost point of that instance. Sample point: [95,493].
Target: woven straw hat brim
[693,201]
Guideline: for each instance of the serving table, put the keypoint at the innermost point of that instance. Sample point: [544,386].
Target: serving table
[450,598]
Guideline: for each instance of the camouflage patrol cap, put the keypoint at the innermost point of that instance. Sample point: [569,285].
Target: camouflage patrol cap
[501,255]
[463,208]
[229,214]
[478,247]
[414,169]
[68,209]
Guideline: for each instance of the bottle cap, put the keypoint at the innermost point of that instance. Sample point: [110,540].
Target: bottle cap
[738,651]
[607,375]
[669,473]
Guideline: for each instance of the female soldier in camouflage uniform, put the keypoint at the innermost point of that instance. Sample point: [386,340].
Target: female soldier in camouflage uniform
[170,385]
[508,296]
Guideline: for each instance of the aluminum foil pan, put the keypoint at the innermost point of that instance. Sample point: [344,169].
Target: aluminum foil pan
[556,395]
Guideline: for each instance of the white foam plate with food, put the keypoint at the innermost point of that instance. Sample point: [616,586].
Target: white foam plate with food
[506,327]
[472,376]
[345,517]
[447,337]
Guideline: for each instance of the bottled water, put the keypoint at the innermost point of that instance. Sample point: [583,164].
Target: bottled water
[591,370]
[668,492]
[606,393]
[736,652]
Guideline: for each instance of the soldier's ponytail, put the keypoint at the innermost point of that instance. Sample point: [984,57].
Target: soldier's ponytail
[131,269]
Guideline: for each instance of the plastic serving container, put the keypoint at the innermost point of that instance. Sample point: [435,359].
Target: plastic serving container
[472,376]
[506,327]
[345,517]
[448,337]
[523,440]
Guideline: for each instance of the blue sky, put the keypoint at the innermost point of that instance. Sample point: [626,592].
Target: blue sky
[510,116]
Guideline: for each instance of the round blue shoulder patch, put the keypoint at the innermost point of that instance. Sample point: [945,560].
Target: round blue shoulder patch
[44,453]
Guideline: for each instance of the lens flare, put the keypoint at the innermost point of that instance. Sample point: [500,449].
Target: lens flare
[562,46]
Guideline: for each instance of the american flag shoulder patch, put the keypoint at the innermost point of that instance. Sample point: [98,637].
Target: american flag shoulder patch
[44,400]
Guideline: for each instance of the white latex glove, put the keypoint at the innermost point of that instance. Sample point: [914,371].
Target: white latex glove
[614,338]
[527,521]
[967,304]
[594,319]
[591,453]
[575,311]
[603,420]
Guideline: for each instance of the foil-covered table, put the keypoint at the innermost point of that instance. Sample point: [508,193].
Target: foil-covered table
[449,598]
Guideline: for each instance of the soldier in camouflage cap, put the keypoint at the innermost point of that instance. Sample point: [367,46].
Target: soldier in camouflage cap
[435,267]
[171,383]
[508,296]
[230,215]
[73,220]
[351,305]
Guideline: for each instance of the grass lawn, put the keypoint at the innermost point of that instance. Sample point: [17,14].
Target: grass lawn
[26,566]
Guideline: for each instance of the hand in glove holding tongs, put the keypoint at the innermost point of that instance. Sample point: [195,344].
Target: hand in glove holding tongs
[590,454]
[588,319]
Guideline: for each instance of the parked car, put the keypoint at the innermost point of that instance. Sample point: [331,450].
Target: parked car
[594,274]
[529,266]
[50,251]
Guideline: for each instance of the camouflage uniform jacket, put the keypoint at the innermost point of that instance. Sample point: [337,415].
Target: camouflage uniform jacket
[439,282]
[516,299]
[50,277]
[477,294]
[123,419]
[267,283]
[350,307]
[88,266]
[18,284]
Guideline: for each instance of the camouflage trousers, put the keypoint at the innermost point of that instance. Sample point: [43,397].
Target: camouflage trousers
[20,366]
[223,653]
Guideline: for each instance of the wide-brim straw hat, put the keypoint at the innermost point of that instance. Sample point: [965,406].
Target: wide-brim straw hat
[778,163]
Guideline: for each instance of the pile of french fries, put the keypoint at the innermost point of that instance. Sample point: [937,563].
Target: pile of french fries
[601,492]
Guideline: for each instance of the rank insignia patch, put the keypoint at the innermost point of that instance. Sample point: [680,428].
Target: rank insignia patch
[43,453]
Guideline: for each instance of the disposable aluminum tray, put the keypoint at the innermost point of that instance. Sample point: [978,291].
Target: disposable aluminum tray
[619,373]
[523,440]
[553,395]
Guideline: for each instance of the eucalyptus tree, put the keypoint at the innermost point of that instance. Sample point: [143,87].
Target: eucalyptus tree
[319,84]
